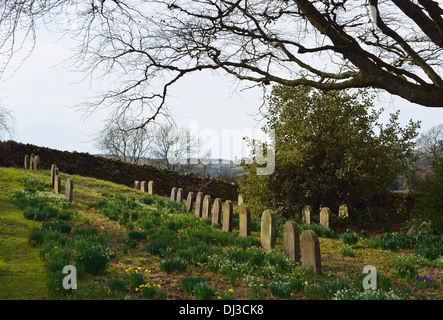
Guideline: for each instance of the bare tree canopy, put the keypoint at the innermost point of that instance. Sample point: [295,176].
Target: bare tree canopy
[6,122]
[119,139]
[394,45]
[430,144]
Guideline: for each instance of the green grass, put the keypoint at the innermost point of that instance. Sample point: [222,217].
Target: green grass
[159,251]
[22,273]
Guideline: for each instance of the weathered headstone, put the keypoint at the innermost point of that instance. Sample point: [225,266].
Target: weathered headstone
[207,205]
[343,211]
[143,186]
[227,216]
[137,185]
[53,166]
[306,214]
[199,204]
[69,189]
[291,240]
[245,221]
[179,197]
[310,250]
[31,162]
[190,201]
[241,200]
[57,184]
[217,211]
[173,194]
[325,213]
[36,161]
[267,235]
[26,162]
[151,188]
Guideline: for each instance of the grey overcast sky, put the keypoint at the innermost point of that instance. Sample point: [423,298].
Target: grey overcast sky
[42,93]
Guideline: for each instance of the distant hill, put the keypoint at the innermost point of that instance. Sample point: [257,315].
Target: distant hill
[223,168]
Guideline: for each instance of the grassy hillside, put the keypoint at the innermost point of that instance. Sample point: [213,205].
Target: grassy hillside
[149,248]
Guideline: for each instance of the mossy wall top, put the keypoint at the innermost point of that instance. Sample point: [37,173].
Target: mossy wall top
[12,155]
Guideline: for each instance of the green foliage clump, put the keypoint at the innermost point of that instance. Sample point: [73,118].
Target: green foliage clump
[171,265]
[429,203]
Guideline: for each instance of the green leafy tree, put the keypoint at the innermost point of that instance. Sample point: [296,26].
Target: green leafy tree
[429,203]
[329,149]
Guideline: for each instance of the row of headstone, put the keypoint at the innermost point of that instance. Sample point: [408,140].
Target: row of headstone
[144,186]
[56,183]
[32,163]
[307,248]
[325,214]
[177,194]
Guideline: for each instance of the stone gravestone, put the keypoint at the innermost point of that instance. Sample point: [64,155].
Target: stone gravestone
[291,240]
[306,214]
[245,221]
[151,188]
[199,204]
[69,189]
[31,162]
[310,250]
[343,211]
[227,216]
[325,213]
[241,200]
[207,205]
[137,185]
[190,201]
[143,186]
[267,234]
[216,211]
[26,164]
[179,198]
[173,194]
[36,163]
[53,166]
[57,184]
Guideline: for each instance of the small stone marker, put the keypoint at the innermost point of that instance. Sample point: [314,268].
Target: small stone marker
[291,240]
[57,184]
[207,205]
[36,164]
[324,216]
[151,188]
[173,194]
[26,162]
[190,201]
[137,185]
[199,204]
[245,221]
[69,189]
[240,200]
[306,214]
[217,211]
[179,197]
[343,211]
[227,216]
[267,235]
[310,250]
[53,166]
[143,186]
